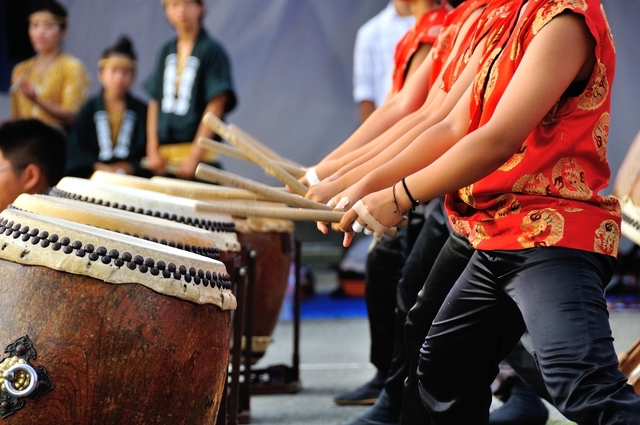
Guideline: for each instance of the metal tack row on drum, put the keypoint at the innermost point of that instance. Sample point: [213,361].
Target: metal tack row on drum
[128,330]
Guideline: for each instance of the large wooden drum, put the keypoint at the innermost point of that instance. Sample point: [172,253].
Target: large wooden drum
[129,331]
[271,239]
[152,204]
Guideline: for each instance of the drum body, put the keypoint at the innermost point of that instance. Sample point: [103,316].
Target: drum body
[630,365]
[272,240]
[116,352]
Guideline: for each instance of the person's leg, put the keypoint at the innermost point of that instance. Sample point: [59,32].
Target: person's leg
[560,293]
[476,327]
[383,271]
[450,263]
[428,243]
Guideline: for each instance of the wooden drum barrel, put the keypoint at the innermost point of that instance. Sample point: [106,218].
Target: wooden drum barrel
[128,331]
[271,239]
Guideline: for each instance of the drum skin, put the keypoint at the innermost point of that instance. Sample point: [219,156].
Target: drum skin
[116,353]
[273,260]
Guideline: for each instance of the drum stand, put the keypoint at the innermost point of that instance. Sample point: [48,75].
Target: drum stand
[283,379]
[235,407]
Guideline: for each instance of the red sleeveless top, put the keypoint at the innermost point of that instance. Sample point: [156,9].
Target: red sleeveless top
[424,31]
[547,193]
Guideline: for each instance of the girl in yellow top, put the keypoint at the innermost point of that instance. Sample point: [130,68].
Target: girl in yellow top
[52,85]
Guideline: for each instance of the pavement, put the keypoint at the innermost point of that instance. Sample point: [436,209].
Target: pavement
[334,358]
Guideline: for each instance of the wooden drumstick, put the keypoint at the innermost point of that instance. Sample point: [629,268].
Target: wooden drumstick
[215,175]
[234,152]
[219,127]
[262,147]
[283,213]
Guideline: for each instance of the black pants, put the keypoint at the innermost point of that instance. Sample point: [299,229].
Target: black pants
[557,294]
[427,245]
[383,270]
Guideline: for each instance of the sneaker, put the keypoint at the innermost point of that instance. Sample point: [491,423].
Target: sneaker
[364,395]
[383,412]
[523,407]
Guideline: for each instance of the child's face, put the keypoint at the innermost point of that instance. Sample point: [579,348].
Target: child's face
[183,14]
[115,78]
[45,32]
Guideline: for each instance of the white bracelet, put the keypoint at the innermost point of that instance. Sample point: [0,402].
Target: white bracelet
[312,176]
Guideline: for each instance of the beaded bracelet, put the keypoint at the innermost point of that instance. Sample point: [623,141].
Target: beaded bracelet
[414,202]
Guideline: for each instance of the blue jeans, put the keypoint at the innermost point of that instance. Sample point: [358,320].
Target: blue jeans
[557,294]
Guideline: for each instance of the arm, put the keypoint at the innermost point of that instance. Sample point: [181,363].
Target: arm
[73,93]
[409,147]
[561,53]
[407,100]
[216,106]
[156,163]
[366,108]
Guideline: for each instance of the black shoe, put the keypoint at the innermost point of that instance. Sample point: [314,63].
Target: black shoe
[383,412]
[364,395]
[523,407]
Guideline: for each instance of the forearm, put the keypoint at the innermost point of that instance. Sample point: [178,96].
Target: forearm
[216,107]
[153,144]
[59,112]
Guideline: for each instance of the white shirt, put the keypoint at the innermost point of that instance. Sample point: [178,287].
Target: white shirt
[373,54]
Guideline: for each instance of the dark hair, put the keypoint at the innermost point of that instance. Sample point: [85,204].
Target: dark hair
[53,7]
[124,46]
[30,141]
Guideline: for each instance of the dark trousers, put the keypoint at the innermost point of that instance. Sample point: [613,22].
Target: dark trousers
[427,245]
[449,264]
[557,294]
[383,270]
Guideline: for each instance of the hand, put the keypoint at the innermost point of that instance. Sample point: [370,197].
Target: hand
[116,167]
[378,213]
[323,191]
[27,89]
[187,168]
[156,164]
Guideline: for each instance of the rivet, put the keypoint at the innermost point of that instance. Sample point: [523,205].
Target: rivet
[182,269]
[131,265]
[171,267]
[67,250]
[114,253]
[65,241]
[119,262]
[161,265]
[89,248]
[138,259]
[101,250]
[76,244]
[126,256]
[80,253]
[149,262]
[21,349]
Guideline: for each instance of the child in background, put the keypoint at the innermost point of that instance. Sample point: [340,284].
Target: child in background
[52,85]
[109,133]
[192,77]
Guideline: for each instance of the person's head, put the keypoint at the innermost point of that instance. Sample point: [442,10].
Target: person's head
[117,68]
[32,158]
[184,14]
[47,26]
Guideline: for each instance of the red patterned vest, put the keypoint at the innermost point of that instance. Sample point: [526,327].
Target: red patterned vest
[451,27]
[547,193]
[424,31]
